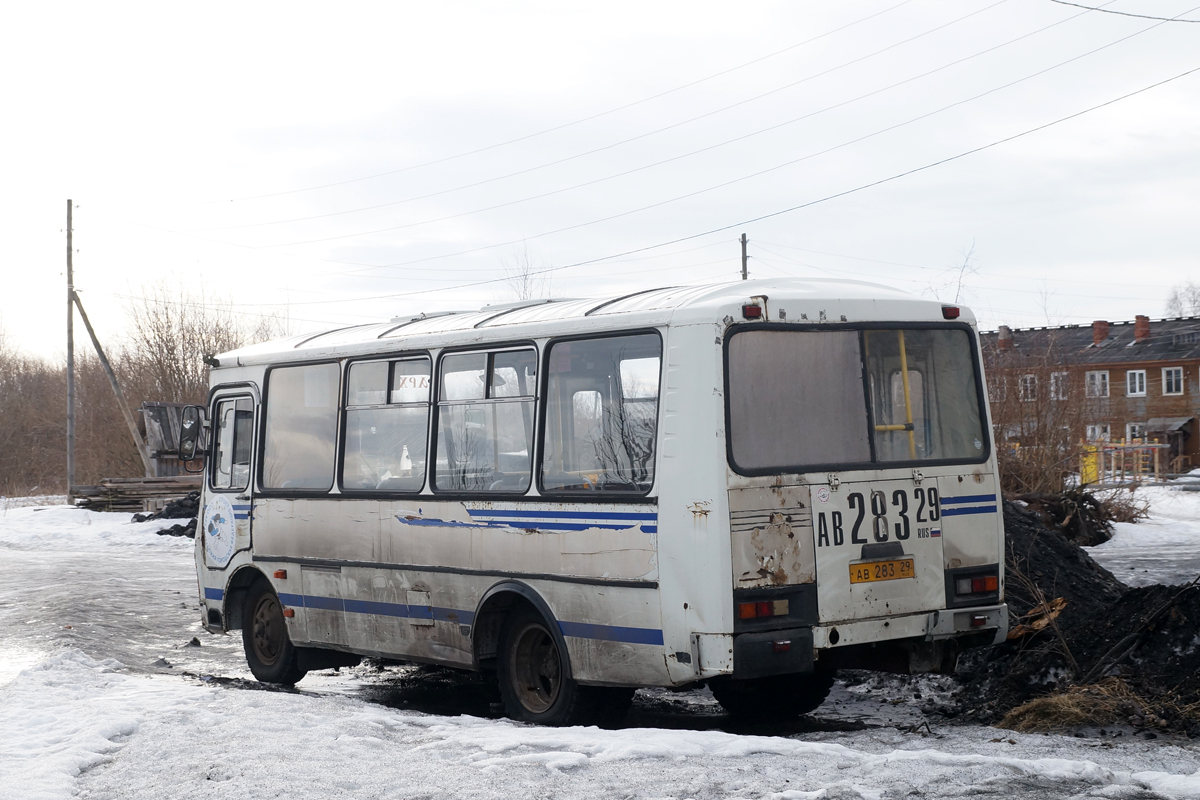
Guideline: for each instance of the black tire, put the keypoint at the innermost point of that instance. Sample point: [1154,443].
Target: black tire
[269,649]
[534,675]
[777,697]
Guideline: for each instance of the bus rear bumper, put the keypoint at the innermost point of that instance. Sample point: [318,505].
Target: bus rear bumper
[929,626]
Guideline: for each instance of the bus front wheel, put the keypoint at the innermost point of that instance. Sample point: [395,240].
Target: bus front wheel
[269,650]
[535,680]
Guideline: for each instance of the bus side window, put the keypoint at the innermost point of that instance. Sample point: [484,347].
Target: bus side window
[300,431]
[387,424]
[235,432]
[485,421]
[602,414]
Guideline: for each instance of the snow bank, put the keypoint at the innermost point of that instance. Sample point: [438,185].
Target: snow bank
[63,527]
[68,715]
[32,500]
[76,726]
[1162,549]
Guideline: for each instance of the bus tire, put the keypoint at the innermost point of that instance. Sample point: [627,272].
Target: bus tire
[534,675]
[775,697]
[269,650]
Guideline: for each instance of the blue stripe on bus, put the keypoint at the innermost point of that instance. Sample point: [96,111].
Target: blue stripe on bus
[969,498]
[241,507]
[605,515]
[611,633]
[579,630]
[213,594]
[562,526]
[604,523]
[954,512]
[324,603]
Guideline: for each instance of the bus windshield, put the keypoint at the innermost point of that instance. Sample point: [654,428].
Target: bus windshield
[841,398]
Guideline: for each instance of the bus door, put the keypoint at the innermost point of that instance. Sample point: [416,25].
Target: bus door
[228,510]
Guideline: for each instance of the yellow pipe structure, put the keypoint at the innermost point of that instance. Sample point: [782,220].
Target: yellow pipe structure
[908,418]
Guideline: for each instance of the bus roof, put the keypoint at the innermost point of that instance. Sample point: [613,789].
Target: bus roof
[796,300]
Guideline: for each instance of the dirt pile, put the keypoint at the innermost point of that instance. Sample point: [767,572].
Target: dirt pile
[184,508]
[1148,638]
[1080,516]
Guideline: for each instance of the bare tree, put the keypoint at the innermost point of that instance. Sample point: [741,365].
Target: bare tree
[953,278]
[1184,300]
[1040,414]
[525,273]
[172,332]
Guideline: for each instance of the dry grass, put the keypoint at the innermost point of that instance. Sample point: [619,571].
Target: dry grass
[1123,505]
[1109,702]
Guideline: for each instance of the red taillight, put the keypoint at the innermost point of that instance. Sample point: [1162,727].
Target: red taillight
[752,311]
[289,612]
[782,646]
[979,620]
[763,608]
[950,312]
[989,583]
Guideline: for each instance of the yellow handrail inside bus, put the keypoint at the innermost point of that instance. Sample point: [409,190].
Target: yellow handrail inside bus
[908,416]
[912,438]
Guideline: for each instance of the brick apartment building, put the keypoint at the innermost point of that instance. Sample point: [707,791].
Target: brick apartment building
[1126,380]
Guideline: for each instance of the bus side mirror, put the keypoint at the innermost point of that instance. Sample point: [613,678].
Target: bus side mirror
[191,432]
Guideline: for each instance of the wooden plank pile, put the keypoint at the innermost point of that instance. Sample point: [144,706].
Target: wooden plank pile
[134,494]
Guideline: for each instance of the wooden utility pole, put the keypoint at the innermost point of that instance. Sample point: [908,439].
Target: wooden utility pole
[70,365]
[116,387]
[745,273]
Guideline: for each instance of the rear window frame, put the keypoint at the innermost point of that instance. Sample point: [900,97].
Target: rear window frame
[874,463]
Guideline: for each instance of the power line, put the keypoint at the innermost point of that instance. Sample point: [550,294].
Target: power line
[939,269]
[648,134]
[790,209]
[722,185]
[580,121]
[1126,13]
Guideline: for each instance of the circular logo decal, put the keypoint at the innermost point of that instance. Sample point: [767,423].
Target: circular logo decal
[823,494]
[218,530]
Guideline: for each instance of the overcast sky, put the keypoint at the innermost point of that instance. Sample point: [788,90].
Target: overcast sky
[350,163]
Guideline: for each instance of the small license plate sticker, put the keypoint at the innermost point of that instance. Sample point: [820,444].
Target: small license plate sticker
[872,571]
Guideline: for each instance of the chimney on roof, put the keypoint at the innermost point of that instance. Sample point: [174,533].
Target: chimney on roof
[1099,331]
[1004,340]
[1141,328]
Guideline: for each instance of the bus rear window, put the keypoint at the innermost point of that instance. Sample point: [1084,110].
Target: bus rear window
[796,397]
[837,399]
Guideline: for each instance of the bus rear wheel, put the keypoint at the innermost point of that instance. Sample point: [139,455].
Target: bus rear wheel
[534,675]
[269,650]
[774,697]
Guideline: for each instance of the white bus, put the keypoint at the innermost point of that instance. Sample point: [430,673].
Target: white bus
[750,484]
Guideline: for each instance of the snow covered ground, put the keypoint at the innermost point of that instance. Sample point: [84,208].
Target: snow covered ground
[104,695]
[1162,549]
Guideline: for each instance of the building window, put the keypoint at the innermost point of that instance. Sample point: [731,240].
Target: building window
[1135,383]
[1098,432]
[1097,383]
[1028,388]
[1058,385]
[1172,380]
[998,389]
[1135,430]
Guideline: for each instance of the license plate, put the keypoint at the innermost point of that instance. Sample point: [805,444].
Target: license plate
[873,571]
